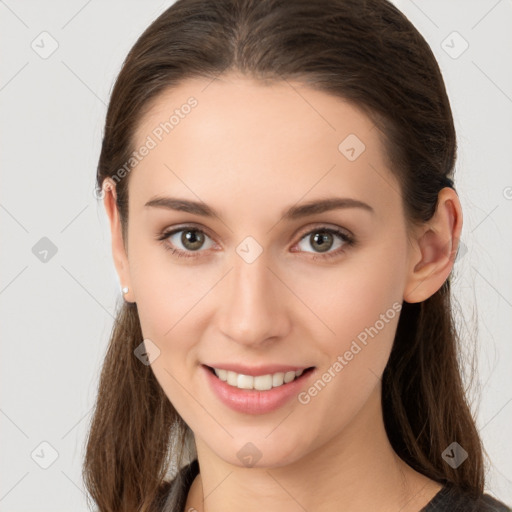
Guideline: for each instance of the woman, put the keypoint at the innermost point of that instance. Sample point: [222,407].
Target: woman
[278,180]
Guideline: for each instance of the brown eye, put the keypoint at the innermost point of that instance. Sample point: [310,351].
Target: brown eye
[185,241]
[323,239]
[192,239]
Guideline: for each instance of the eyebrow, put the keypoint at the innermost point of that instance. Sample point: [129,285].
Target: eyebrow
[292,213]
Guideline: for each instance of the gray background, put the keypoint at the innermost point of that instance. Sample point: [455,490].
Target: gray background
[57,309]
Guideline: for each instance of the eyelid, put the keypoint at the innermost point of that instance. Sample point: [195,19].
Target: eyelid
[327,227]
[166,233]
[303,233]
[191,226]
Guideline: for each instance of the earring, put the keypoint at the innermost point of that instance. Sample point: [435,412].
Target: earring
[125,289]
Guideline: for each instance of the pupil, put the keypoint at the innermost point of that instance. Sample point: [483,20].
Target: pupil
[323,239]
[192,240]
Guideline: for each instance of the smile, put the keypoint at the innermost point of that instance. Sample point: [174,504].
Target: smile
[260,382]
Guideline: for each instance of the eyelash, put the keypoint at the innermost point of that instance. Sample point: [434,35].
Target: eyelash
[345,237]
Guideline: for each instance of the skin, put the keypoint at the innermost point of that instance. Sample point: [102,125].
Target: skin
[251,150]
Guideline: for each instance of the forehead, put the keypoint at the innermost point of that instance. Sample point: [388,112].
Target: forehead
[274,111]
[237,137]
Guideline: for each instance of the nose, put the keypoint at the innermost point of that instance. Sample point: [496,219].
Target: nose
[252,309]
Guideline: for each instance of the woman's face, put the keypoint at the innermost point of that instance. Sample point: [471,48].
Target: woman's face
[263,285]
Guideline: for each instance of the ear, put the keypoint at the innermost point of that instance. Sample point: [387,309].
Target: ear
[434,248]
[118,249]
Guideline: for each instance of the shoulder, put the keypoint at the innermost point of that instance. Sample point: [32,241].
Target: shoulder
[449,498]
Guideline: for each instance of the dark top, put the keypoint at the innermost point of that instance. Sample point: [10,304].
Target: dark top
[448,499]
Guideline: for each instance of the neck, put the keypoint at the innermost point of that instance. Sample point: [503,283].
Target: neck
[357,469]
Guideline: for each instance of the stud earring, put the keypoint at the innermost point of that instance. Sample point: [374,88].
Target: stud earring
[125,289]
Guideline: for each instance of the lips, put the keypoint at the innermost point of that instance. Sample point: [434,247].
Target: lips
[258,382]
[255,401]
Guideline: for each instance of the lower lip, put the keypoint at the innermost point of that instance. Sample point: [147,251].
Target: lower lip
[251,401]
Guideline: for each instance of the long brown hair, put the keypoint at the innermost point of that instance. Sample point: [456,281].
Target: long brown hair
[366,52]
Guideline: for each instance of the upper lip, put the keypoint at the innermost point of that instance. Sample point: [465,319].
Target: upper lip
[257,370]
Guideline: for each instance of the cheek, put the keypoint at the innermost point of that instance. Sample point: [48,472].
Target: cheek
[351,296]
[168,302]
[171,300]
[359,304]
[362,314]
[164,290]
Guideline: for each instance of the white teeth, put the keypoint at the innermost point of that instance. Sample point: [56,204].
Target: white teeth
[288,377]
[232,379]
[245,381]
[222,374]
[263,382]
[260,382]
[277,379]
